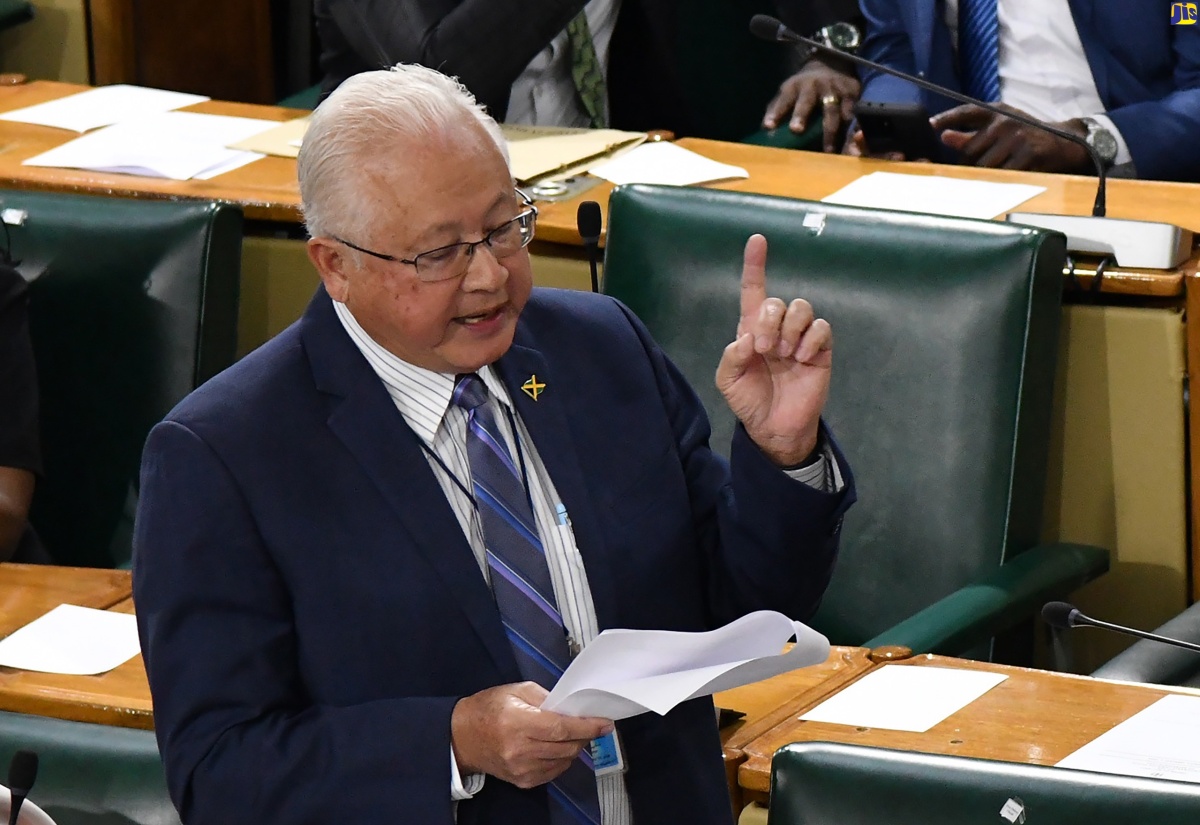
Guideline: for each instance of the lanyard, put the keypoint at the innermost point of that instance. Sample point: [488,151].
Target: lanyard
[468,492]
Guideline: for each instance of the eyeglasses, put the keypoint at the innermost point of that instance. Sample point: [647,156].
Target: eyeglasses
[450,261]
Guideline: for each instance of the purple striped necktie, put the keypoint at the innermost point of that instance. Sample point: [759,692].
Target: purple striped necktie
[521,581]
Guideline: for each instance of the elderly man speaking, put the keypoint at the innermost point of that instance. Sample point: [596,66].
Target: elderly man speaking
[364,552]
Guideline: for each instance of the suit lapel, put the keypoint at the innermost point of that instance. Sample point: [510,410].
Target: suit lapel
[924,14]
[548,423]
[366,421]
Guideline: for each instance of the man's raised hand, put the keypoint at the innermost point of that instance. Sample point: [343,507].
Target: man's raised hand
[775,373]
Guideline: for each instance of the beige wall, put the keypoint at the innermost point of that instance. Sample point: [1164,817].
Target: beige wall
[52,46]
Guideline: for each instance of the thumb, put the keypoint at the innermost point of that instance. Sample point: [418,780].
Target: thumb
[734,361]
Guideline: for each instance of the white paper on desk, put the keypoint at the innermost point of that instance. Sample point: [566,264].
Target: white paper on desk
[80,641]
[102,107]
[665,163]
[934,195]
[1160,742]
[899,697]
[626,672]
[176,145]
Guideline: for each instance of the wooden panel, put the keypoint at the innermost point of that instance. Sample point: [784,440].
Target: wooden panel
[1033,716]
[219,48]
[28,591]
[110,29]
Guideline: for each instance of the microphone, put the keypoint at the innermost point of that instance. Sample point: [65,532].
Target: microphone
[588,220]
[1138,244]
[22,771]
[1063,615]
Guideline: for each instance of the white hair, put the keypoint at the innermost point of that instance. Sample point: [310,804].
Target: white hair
[407,100]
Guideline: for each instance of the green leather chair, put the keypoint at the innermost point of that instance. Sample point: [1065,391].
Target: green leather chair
[821,783]
[14,12]
[1155,662]
[946,332]
[132,305]
[91,774]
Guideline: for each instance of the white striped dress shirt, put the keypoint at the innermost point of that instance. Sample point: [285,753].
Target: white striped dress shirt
[423,399]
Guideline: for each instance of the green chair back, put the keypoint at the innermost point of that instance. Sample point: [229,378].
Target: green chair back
[132,305]
[821,783]
[91,774]
[945,340]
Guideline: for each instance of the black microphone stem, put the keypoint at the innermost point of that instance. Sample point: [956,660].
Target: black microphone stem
[1088,621]
[783,34]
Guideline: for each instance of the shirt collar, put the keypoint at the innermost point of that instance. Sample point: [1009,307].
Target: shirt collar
[421,395]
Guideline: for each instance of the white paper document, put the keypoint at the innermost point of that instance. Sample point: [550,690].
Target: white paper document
[80,641]
[899,697]
[934,195]
[101,107]
[665,163]
[1160,742]
[626,672]
[176,145]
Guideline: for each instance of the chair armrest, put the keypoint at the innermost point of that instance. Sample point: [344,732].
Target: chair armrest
[784,138]
[1159,663]
[997,601]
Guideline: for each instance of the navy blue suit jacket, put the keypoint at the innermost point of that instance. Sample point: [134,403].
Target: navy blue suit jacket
[1146,71]
[310,610]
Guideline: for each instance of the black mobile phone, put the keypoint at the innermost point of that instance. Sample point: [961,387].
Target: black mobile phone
[897,127]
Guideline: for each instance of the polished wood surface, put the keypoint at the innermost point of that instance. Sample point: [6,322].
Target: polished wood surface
[120,697]
[221,48]
[266,189]
[1033,716]
[28,591]
[813,176]
[772,701]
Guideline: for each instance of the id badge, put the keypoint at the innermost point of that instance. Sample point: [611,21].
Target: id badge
[606,754]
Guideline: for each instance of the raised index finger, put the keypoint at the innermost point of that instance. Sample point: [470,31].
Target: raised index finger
[754,278]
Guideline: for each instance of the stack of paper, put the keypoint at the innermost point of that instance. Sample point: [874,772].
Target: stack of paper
[176,145]
[934,195]
[80,641]
[101,107]
[665,163]
[626,672]
[282,141]
[540,151]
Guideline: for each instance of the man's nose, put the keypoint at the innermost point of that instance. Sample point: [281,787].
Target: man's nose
[484,269]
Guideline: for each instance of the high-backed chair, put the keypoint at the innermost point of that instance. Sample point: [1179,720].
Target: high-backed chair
[821,783]
[132,305]
[1159,663]
[91,774]
[945,339]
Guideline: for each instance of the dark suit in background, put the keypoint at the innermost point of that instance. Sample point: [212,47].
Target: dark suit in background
[688,66]
[1146,71]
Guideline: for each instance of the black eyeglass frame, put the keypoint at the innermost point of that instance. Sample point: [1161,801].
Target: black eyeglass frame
[528,215]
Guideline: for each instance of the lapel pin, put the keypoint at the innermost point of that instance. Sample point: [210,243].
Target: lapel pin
[533,388]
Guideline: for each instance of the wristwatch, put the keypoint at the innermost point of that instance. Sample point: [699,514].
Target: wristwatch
[1101,140]
[844,37]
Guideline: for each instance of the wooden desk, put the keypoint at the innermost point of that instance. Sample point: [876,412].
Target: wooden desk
[28,591]
[1033,716]
[119,697]
[772,701]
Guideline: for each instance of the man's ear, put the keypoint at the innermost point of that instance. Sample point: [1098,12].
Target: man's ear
[332,263]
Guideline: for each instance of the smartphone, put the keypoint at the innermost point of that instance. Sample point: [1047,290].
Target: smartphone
[897,127]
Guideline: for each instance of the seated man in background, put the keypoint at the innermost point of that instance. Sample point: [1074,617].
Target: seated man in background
[1115,72]
[20,457]
[365,551]
[574,63]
